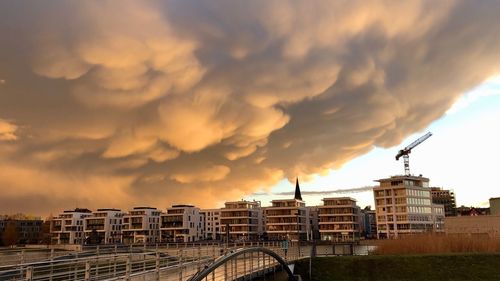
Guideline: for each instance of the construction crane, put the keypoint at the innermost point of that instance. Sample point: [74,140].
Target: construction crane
[405,152]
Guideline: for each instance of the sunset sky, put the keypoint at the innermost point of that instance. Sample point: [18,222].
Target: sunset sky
[167,102]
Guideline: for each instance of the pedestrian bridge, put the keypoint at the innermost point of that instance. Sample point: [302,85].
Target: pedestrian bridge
[244,261]
[244,264]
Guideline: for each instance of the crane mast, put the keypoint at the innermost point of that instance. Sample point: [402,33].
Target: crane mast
[405,152]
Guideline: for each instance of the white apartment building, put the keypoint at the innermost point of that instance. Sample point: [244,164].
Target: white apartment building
[211,222]
[67,227]
[287,219]
[404,205]
[106,224]
[339,220]
[181,223]
[241,220]
[141,225]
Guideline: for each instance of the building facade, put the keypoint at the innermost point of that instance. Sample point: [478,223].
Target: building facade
[369,221]
[211,223]
[104,227]
[495,206]
[141,225]
[181,223]
[22,229]
[339,220]
[241,221]
[67,227]
[445,198]
[288,218]
[403,206]
[476,226]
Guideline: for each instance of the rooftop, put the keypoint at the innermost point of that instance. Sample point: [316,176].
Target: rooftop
[403,177]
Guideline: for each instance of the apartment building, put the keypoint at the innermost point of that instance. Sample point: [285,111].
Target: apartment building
[26,229]
[438,215]
[403,205]
[288,218]
[313,223]
[241,220]
[445,198]
[141,225]
[211,222]
[369,223]
[339,220]
[67,227]
[104,227]
[181,223]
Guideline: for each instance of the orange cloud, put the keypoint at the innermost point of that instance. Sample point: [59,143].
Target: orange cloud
[152,102]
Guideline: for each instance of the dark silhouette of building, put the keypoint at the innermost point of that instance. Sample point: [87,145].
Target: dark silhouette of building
[464,211]
[20,229]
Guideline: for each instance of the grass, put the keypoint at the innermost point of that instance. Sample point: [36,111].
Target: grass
[438,244]
[457,267]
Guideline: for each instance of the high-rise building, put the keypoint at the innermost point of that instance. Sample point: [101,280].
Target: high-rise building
[339,220]
[67,227]
[141,225]
[105,225]
[211,222]
[181,223]
[241,220]
[404,205]
[445,198]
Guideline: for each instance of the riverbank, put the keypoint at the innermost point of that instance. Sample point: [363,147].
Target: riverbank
[457,267]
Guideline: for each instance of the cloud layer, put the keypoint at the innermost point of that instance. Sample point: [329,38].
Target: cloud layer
[105,105]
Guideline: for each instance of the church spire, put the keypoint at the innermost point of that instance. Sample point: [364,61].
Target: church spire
[298,196]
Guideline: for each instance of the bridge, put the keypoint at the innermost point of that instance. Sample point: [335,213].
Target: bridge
[242,261]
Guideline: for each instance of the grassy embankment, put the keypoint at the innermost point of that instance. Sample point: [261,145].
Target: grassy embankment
[422,257]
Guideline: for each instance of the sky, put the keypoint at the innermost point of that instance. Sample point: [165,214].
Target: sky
[198,102]
[460,156]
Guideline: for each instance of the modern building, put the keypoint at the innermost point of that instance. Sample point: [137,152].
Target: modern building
[241,221]
[211,222]
[339,220]
[438,215]
[495,206]
[288,218]
[313,223]
[369,223]
[181,223]
[477,226]
[141,225]
[104,227]
[445,198]
[67,227]
[22,229]
[403,206]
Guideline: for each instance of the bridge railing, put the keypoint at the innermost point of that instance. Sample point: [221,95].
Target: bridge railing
[243,264]
[172,262]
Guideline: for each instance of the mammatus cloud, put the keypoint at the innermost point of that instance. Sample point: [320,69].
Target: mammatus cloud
[205,101]
[7,131]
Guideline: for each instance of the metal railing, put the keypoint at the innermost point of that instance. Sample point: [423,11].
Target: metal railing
[139,262]
[244,263]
